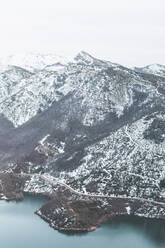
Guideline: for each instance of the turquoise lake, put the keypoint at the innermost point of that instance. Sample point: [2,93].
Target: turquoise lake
[21,228]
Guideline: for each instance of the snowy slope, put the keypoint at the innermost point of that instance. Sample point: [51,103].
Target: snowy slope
[102,85]
[25,96]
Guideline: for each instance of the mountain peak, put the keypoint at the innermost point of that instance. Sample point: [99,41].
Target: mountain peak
[84,57]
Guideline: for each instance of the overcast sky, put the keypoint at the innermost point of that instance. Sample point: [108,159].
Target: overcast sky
[129,32]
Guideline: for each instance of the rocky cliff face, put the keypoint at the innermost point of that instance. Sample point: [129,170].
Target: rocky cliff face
[99,127]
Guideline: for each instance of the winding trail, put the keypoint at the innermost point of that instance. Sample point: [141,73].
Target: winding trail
[54,182]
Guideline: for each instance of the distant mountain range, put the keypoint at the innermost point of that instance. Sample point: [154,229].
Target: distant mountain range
[32,61]
[95,125]
[155,69]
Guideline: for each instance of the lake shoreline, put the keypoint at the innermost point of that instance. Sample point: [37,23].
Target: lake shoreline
[18,220]
[68,211]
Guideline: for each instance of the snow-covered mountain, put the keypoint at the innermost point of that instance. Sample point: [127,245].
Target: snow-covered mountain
[24,93]
[155,69]
[95,125]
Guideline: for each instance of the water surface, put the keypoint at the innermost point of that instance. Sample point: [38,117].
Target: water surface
[20,228]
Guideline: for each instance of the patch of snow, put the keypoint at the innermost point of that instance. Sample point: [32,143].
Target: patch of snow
[41,142]
[128,210]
